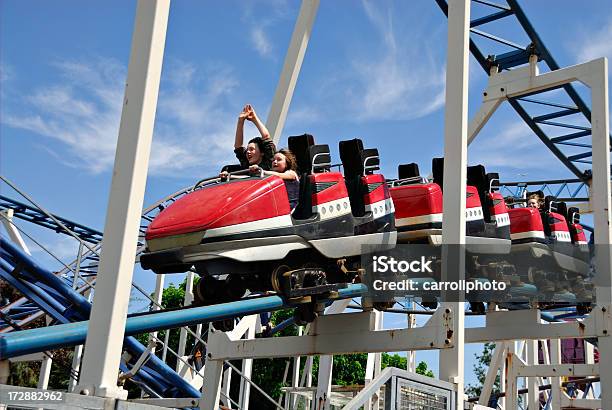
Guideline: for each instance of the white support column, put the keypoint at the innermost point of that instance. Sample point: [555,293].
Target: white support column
[157,298]
[455,161]
[295,377]
[600,189]
[183,332]
[373,366]
[107,323]
[510,349]
[306,379]
[533,395]
[12,231]
[511,382]
[291,68]
[77,355]
[411,354]
[247,371]
[326,364]
[499,355]
[211,390]
[226,385]
[555,382]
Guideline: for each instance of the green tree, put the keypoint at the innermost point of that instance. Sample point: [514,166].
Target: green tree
[481,366]
[422,369]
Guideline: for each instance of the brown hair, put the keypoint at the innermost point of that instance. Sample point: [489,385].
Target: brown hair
[289,159]
[537,197]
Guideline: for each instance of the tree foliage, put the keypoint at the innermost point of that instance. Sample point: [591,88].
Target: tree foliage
[481,367]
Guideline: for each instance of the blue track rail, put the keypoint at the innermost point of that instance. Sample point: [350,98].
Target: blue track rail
[34,215]
[65,305]
[544,126]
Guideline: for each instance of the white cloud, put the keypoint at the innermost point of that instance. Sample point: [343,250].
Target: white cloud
[401,83]
[63,247]
[595,45]
[6,72]
[83,110]
[261,42]
[514,148]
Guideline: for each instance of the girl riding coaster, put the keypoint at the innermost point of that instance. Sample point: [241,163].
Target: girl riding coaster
[243,234]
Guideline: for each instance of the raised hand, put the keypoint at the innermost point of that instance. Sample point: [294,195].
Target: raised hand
[250,112]
[244,114]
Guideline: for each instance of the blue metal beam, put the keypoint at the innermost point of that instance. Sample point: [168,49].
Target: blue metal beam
[571,136]
[34,215]
[556,114]
[489,18]
[73,334]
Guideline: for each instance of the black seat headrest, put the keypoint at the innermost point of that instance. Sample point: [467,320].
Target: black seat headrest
[477,176]
[562,209]
[408,171]
[350,155]
[550,203]
[320,158]
[370,160]
[573,215]
[300,146]
[437,170]
[493,181]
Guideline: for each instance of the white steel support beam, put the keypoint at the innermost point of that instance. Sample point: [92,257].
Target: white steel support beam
[499,355]
[226,385]
[211,390]
[326,364]
[533,395]
[247,369]
[157,298]
[291,399]
[555,381]
[480,119]
[455,162]
[108,315]
[183,332]
[12,231]
[291,68]
[373,365]
[524,325]
[45,367]
[600,189]
[337,334]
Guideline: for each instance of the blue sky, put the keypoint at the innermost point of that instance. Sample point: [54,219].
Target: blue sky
[373,69]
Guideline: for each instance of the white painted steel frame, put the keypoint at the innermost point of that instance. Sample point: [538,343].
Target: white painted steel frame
[328,335]
[593,74]
[111,299]
[452,361]
[291,68]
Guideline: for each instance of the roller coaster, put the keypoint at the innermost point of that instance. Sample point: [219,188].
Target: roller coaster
[254,254]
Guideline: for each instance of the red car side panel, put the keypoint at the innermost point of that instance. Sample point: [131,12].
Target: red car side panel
[559,223]
[578,233]
[416,200]
[222,205]
[499,205]
[336,189]
[525,220]
[378,194]
[472,199]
